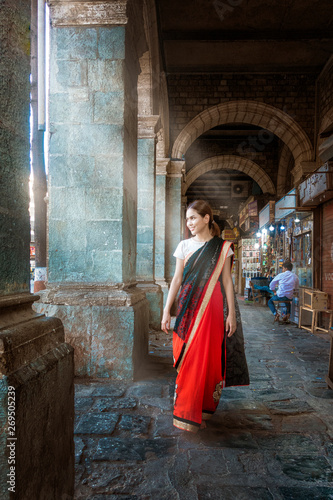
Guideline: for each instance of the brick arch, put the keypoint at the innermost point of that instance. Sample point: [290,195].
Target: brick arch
[253,112]
[225,162]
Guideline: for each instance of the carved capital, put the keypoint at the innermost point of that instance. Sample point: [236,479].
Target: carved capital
[81,13]
[176,168]
[148,126]
[162,165]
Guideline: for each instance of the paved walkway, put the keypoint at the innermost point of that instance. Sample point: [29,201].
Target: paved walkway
[271,440]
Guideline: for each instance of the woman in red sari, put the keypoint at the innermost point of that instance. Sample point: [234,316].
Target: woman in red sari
[207,318]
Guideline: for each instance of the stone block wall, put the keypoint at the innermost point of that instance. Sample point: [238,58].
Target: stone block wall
[92,157]
[189,94]
[146,202]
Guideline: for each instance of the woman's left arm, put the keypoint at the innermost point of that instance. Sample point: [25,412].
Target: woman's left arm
[229,291]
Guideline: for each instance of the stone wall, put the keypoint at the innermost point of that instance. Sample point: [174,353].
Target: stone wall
[189,94]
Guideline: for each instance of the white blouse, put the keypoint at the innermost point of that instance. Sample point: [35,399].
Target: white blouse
[187,247]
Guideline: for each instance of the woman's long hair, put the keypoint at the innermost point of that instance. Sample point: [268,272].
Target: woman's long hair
[203,208]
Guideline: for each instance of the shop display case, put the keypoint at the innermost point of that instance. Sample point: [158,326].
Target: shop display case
[250,260]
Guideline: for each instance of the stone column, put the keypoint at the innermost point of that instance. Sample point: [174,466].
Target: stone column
[183,217]
[95,50]
[162,164]
[173,214]
[36,366]
[145,264]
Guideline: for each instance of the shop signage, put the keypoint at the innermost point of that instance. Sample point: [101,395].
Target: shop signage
[318,188]
[327,250]
[286,205]
[251,223]
[228,234]
[253,209]
[242,216]
[266,215]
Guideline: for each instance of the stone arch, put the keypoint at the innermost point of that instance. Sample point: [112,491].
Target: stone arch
[285,164]
[252,112]
[225,162]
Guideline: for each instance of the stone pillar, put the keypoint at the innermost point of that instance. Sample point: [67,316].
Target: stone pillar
[183,217]
[95,50]
[173,214]
[36,366]
[162,164]
[145,265]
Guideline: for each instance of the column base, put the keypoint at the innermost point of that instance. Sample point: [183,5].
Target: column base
[107,326]
[155,298]
[36,403]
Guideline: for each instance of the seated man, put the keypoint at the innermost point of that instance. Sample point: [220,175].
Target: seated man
[287,282]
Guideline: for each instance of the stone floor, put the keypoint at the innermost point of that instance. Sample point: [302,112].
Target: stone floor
[271,440]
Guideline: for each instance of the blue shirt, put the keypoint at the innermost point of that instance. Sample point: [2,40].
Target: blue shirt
[287,282]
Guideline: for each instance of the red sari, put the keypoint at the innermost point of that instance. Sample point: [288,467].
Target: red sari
[198,339]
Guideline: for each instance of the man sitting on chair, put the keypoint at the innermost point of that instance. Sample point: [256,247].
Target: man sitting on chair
[287,282]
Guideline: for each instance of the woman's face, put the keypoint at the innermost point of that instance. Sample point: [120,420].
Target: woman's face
[195,222]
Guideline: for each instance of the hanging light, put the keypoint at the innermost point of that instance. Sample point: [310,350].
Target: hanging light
[256,246]
[297,219]
[282,227]
[258,234]
[271,228]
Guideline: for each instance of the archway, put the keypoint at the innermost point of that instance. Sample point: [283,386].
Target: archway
[253,112]
[225,162]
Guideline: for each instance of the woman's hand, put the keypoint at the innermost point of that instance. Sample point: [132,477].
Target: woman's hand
[230,325]
[166,320]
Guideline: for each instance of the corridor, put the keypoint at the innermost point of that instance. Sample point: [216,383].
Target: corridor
[271,440]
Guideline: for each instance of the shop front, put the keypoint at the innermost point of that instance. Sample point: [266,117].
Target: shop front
[232,235]
[294,238]
[294,242]
[317,191]
[266,236]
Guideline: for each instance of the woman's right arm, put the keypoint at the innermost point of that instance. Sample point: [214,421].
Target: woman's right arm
[174,287]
